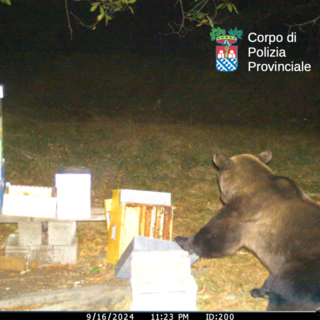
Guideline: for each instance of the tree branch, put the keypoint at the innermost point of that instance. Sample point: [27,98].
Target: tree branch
[314,22]
[69,24]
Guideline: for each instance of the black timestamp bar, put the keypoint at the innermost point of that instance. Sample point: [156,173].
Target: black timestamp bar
[160,316]
[191,316]
[237,315]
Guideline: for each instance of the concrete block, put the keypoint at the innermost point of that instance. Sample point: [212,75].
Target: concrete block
[30,233]
[13,249]
[43,255]
[66,254]
[61,232]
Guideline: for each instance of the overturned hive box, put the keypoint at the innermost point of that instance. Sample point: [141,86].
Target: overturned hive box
[137,213]
[142,244]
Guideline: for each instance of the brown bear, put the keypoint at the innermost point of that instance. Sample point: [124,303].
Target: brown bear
[270,216]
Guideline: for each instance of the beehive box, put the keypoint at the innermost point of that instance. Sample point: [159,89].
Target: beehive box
[29,201]
[73,193]
[162,281]
[137,213]
[123,267]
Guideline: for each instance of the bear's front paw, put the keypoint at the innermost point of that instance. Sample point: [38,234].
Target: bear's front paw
[259,293]
[181,241]
[184,243]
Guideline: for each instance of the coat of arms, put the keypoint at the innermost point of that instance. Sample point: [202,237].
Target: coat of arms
[226,50]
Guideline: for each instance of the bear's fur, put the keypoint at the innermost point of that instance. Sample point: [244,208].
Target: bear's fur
[273,218]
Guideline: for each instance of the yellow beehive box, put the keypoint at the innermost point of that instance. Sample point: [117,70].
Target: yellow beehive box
[136,213]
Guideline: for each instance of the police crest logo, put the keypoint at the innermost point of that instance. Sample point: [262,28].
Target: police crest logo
[226,50]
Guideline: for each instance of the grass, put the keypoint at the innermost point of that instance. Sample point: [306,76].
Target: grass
[90,111]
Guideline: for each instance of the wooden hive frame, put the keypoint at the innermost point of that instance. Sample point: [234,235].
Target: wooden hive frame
[128,220]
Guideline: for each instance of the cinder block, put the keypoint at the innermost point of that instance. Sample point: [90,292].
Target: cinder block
[61,232]
[66,254]
[41,255]
[14,250]
[30,233]
[178,293]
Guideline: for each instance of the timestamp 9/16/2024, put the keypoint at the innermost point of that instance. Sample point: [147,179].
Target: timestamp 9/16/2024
[159,315]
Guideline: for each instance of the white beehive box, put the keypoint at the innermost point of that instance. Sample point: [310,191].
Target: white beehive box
[162,281]
[73,193]
[29,201]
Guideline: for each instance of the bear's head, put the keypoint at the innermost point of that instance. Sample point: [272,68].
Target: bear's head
[242,175]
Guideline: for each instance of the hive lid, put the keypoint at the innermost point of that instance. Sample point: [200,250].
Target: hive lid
[145,197]
[74,170]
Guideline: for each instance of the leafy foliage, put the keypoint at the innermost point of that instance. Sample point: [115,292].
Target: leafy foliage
[8,2]
[108,9]
[217,33]
[198,12]
[230,6]
[236,33]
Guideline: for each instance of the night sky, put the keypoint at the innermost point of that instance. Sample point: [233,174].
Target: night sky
[36,31]
[42,25]
[35,25]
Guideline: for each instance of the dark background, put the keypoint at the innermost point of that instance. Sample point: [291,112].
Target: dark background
[44,67]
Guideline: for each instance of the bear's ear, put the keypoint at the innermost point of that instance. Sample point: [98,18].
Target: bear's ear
[265,156]
[222,162]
